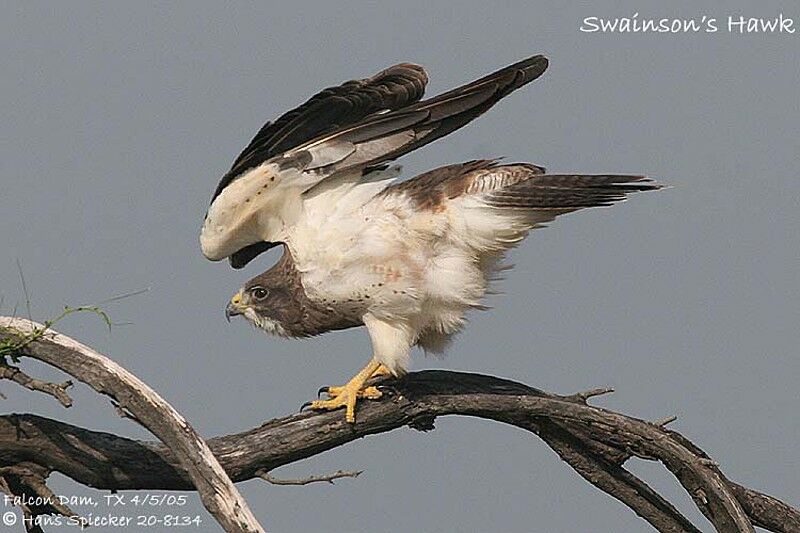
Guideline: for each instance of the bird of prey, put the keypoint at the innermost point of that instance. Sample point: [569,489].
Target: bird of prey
[406,259]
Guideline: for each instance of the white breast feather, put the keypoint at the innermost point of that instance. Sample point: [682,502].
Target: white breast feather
[420,268]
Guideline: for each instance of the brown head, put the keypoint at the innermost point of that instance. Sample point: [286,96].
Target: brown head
[276,302]
[266,302]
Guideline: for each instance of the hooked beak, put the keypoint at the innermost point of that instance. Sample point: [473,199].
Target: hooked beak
[234,307]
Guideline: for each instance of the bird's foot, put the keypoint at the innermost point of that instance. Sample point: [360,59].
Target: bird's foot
[347,395]
[381,371]
[370,393]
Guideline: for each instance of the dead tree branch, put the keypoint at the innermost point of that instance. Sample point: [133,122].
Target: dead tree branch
[132,395]
[595,442]
[56,390]
[323,478]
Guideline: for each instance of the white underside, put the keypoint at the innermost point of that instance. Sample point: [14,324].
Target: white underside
[415,272]
[410,274]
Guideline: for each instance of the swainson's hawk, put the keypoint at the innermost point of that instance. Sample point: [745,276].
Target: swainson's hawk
[406,259]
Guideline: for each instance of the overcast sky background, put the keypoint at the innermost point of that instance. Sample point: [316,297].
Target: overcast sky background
[118,119]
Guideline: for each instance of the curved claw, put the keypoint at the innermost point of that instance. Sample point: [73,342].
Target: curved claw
[304,406]
[321,390]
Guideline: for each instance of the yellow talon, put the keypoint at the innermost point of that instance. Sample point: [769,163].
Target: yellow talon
[370,393]
[347,395]
[381,371]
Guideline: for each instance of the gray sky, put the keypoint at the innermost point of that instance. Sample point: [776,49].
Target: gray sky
[117,121]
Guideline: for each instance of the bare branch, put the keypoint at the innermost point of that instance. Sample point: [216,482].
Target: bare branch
[56,390]
[329,478]
[584,396]
[595,442]
[35,480]
[216,490]
[661,422]
[609,476]
[25,484]
[767,512]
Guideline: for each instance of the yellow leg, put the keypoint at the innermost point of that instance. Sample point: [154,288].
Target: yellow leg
[381,371]
[371,393]
[347,395]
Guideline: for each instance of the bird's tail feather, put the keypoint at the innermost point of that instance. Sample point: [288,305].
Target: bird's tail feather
[568,192]
[499,204]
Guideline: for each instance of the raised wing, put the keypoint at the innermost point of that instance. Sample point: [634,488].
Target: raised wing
[385,137]
[263,203]
[328,110]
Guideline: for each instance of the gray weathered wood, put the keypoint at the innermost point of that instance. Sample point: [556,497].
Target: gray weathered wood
[594,441]
[216,490]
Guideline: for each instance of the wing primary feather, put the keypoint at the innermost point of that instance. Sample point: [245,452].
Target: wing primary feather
[433,118]
[332,108]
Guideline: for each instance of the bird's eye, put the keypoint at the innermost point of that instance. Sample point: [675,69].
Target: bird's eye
[259,293]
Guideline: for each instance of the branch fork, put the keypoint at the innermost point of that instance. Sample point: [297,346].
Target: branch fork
[595,442]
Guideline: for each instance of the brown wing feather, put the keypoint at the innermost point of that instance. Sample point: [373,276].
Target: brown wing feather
[377,138]
[385,137]
[431,189]
[330,109]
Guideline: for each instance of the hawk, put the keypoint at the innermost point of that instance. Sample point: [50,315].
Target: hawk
[406,259]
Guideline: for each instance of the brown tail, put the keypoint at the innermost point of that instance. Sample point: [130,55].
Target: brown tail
[569,192]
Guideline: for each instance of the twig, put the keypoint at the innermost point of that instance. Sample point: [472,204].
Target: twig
[5,488]
[56,390]
[584,396]
[329,478]
[661,422]
[124,413]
